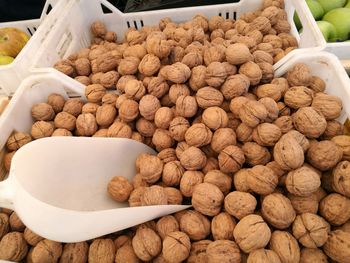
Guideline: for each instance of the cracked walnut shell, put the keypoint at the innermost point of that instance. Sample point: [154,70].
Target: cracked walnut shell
[17,140]
[286,246]
[176,247]
[262,180]
[252,113]
[231,159]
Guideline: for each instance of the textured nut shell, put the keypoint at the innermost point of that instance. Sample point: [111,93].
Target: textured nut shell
[172,173]
[252,113]
[335,208]
[13,247]
[215,118]
[263,256]
[309,122]
[319,157]
[189,180]
[220,179]
[193,159]
[231,159]
[311,230]
[154,195]
[195,225]
[251,233]
[47,251]
[302,181]
[240,180]
[17,140]
[209,97]
[186,106]
[207,199]
[149,65]
[56,101]
[256,154]
[198,135]
[286,246]
[4,224]
[119,130]
[310,255]
[126,254]
[178,128]
[150,167]
[146,244]
[41,129]
[262,180]
[176,247]
[266,134]
[330,106]
[222,138]
[299,75]
[304,204]
[222,226]
[223,251]
[86,124]
[234,86]
[239,204]
[119,188]
[337,246]
[298,97]
[278,210]
[341,178]
[16,223]
[75,253]
[343,141]
[166,225]
[237,54]
[43,112]
[288,153]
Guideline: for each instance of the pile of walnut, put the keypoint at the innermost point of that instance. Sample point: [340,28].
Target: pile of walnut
[262,160]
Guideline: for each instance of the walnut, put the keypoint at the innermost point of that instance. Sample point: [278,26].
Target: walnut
[136,195]
[172,173]
[82,66]
[186,106]
[271,107]
[56,101]
[333,129]
[212,164]
[89,108]
[13,247]
[109,79]
[41,129]
[236,104]
[215,118]
[176,246]
[31,238]
[197,135]
[189,180]
[65,120]
[66,67]
[137,50]
[148,106]
[86,124]
[75,252]
[286,246]
[17,140]
[240,180]
[285,123]
[150,167]
[98,28]
[178,127]
[302,181]
[266,134]
[119,130]
[337,245]
[146,244]
[177,90]
[252,71]
[234,86]
[335,209]
[231,159]
[162,139]
[198,251]
[207,199]
[330,106]
[137,181]
[215,74]
[343,141]
[304,204]
[197,79]
[220,179]
[267,72]
[166,225]
[317,84]
[128,66]
[101,250]
[195,225]
[340,178]
[298,97]
[123,80]
[263,256]
[209,97]
[252,113]
[284,110]
[83,80]
[255,154]
[15,223]
[101,133]
[93,93]
[240,204]
[119,188]
[214,54]
[157,87]
[299,75]
[319,157]
[269,90]
[238,53]
[149,65]
[311,230]
[163,117]
[43,112]
[145,128]
[223,251]
[105,115]
[222,138]
[134,89]
[310,255]
[262,180]
[278,210]
[177,72]
[154,195]
[4,224]
[251,233]
[122,240]
[192,59]
[288,153]
[134,37]
[129,110]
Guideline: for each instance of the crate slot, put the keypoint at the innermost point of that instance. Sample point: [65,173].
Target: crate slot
[141,21]
[49,8]
[105,9]
[227,15]
[234,15]
[135,24]
[220,14]
[128,24]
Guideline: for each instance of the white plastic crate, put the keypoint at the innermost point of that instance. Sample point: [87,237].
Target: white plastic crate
[73,31]
[12,74]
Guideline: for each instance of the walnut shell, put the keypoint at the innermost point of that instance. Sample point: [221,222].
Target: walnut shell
[176,246]
[238,53]
[234,86]
[311,230]
[240,204]
[215,74]
[222,226]
[172,173]
[207,199]
[189,180]
[126,254]
[317,84]
[198,135]
[310,255]
[149,65]
[119,188]
[86,124]
[330,106]
[286,246]
[288,153]
[17,140]
[266,134]
[298,96]
[341,179]
[252,71]
[304,204]
[269,90]
[193,159]
[252,113]
[231,159]
[119,130]
[335,209]
[154,195]
[255,154]
[251,233]
[223,251]
[285,123]
[209,97]
[299,75]
[198,251]
[166,225]
[177,72]
[214,54]
[41,129]
[263,256]
[13,247]
[195,225]
[186,106]
[146,243]
[128,66]
[150,167]
[31,238]
[262,180]
[222,138]
[197,79]
[47,251]
[93,93]
[43,112]
[4,224]
[337,245]
[220,179]
[319,157]
[215,118]
[302,181]
[75,252]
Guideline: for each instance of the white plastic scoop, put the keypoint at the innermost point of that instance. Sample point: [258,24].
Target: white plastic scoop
[58,187]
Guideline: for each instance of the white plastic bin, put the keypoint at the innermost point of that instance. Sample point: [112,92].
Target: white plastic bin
[12,74]
[73,31]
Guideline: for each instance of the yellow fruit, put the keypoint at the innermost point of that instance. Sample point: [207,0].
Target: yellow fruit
[4,60]
[12,40]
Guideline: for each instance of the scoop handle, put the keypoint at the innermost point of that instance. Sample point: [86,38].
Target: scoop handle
[6,194]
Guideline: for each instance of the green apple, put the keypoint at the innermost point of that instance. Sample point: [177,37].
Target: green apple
[340,19]
[329,5]
[4,60]
[316,11]
[328,30]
